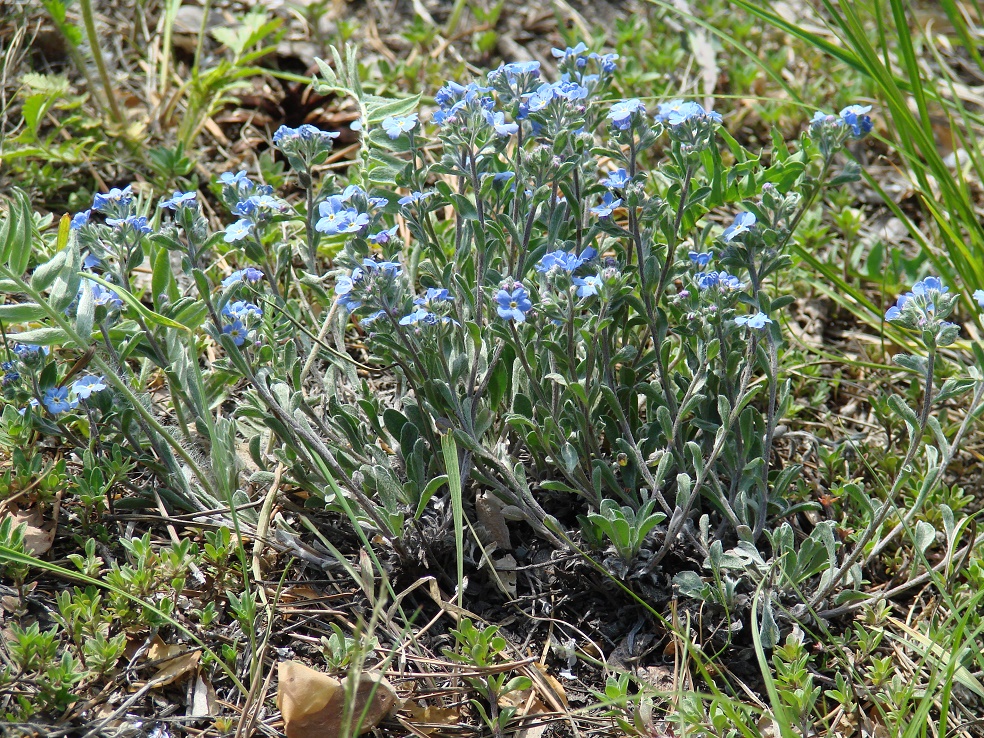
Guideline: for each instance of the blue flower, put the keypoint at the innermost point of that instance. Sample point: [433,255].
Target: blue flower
[706,280]
[387,269]
[28,351]
[180,200]
[383,236]
[137,222]
[242,310]
[31,403]
[513,305]
[856,118]
[90,261]
[979,296]
[56,400]
[925,286]
[621,113]
[237,231]
[337,218]
[80,219]
[419,316]
[238,180]
[434,294]
[236,331]
[617,180]
[569,52]
[414,197]
[112,198]
[701,260]
[743,224]
[396,125]
[685,112]
[286,137]
[564,260]
[608,206]
[249,274]
[605,61]
[758,321]
[83,388]
[498,122]
[105,296]
[895,312]
[587,286]
[514,70]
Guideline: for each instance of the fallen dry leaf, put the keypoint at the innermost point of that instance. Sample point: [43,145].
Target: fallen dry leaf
[312,703]
[432,719]
[176,662]
[38,535]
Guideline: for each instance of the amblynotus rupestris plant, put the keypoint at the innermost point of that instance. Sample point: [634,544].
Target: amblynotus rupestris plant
[587,330]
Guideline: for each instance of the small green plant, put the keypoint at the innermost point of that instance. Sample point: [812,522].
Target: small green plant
[626,529]
[482,648]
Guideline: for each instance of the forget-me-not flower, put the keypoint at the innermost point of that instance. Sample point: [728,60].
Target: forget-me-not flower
[743,224]
[513,304]
[396,125]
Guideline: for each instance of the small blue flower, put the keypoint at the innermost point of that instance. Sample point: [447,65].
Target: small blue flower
[32,403]
[856,118]
[605,61]
[414,197]
[242,310]
[236,331]
[684,112]
[895,312]
[514,70]
[621,113]
[701,260]
[564,260]
[513,305]
[180,200]
[569,52]
[105,296]
[137,222]
[743,224]
[617,180]
[498,122]
[80,219]
[396,125]
[90,261]
[387,269]
[84,387]
[420,315]
[433,295]
[337,218]
[383,236]
[979,296]
[928,284]
[237,231]
[28,351]
[758,321]
[112,198]
[706,280]
[249,274]
[587,286]
[56,400]
[238,180]
[608,206]
[501,178]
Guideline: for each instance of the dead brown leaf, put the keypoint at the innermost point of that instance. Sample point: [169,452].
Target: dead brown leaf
[312,703]
[38,535]
[431,719]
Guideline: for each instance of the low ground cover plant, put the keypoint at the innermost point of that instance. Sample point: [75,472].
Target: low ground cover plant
[540,300]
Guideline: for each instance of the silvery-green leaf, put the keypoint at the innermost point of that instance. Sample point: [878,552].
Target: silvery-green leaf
[85,317]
